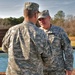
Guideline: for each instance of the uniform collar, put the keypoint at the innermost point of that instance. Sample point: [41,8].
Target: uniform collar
[47,30]
[28,22]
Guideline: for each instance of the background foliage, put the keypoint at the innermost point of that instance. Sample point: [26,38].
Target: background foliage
[67,22]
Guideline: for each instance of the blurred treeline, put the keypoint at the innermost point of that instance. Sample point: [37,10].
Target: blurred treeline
[67,22]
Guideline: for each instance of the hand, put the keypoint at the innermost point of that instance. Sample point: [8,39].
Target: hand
[68,72]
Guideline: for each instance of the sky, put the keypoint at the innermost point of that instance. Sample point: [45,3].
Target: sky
[14,8]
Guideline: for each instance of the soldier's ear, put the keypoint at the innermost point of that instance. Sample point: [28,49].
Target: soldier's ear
[35,14]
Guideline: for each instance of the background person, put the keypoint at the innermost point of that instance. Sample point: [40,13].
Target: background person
[60,46]
[26,45]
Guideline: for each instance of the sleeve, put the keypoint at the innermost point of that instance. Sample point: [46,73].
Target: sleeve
[5,41]
[68,51]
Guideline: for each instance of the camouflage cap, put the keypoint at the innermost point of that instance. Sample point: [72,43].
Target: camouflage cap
[31,6]
[43,14]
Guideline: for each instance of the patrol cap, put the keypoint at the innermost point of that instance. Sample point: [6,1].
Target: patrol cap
[43,14]
[31,6]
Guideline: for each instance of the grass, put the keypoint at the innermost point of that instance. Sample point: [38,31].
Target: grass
[72,38]
[73,43]
[0,48]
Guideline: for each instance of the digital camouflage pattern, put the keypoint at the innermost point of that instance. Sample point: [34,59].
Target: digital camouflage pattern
[26,46]
[43,14]
[62,72]
[31,6]
[62,52]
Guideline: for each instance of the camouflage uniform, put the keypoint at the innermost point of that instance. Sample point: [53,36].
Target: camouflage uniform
[26,46]
[62,52]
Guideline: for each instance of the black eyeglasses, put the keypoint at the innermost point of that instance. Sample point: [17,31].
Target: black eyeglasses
[41,19]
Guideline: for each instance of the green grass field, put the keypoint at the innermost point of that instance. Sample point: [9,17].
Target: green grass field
[72,40]
[73,43]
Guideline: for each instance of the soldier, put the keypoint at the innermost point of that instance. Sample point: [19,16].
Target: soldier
[26,45]
[61,60]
